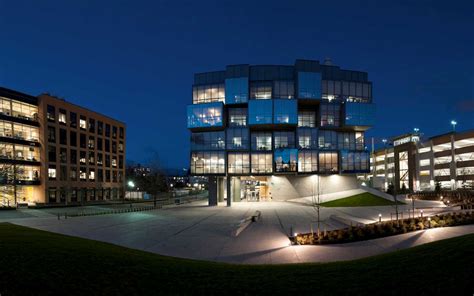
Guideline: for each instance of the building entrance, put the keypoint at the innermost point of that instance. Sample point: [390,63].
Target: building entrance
[256,189]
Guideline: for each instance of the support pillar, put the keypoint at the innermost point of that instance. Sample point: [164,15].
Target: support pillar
[236,189]
[229,192]
[220,188]
[212,184]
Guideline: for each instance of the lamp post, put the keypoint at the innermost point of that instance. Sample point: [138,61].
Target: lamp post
[416,130]
[453,123]
[131,184]
[380,218]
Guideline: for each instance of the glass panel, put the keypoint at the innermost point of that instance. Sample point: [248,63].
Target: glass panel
[238,139]
[208,163]
[262,141]
[238,163]
[284,139]
[360,114]
[208,93]
[285,111]
[208,141]
[205,115]
[236,90]
[262,163]
[328,162]
[307,118]
[261,90]
[307,161]
[286,160]
[260,112]
[237,117]
[330,114]
[307,138]
[283,89]
[309,85]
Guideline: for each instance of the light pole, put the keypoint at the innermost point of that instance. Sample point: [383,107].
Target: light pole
[416,130]
[453,123]
[131,184]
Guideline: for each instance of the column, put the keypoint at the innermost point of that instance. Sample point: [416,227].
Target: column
[212,184]
[229,192]
[236,189]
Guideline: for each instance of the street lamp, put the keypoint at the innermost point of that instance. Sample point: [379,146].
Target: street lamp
[384,141]
[453,123]
[416,130]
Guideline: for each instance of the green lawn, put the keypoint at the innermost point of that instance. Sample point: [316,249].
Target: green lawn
[38,262]
[360,200]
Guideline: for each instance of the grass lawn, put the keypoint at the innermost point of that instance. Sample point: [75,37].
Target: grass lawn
[37,262]
[365,199]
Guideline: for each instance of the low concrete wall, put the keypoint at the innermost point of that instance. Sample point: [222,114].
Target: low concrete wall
[291,187]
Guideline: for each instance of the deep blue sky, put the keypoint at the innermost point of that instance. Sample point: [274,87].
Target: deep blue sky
[134,60]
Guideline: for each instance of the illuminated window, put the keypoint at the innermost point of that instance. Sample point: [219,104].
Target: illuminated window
[238,163]
[82,122]
[328,162]
[286,160]
[307,161]
[208,93]
[62,116]
[262,141]
[306,119]
[261,90]
[52,172]
[262,163]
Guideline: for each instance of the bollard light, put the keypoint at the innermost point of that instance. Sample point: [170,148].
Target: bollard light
[421,212]
[380,217]
[429,222]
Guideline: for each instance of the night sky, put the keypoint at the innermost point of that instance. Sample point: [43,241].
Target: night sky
[134,60]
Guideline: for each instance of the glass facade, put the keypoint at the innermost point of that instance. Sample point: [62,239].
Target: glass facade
[262,163]
[238,139]
[309,85]
[236,90]
[359,114]
[238,163]
[269,122]
[285,112]
[286,160]
[208,141]
[260,112]
[212,162]
[205,115]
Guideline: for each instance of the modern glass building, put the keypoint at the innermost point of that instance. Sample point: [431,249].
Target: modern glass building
[261,132]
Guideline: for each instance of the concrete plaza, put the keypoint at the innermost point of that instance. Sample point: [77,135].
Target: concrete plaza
[200,232]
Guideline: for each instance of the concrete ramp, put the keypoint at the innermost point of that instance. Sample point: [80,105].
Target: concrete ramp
[308,200]
[350,220]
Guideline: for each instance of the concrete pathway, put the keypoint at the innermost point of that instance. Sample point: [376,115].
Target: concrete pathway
[200,232]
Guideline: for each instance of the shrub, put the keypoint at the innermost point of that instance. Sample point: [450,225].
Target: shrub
[341,234]
[421,225]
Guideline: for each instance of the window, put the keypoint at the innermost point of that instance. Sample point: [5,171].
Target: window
[208,162]
[107,130]
[307,119]
[99,144]
[91,125]
[309,85]
[208,93]
[73,119]
[91,158]
[107,160]
[208,141]
[52,195]
[120,147]
[360,143]
[120,161]
[262,141]
[107,145]
[330,114]
[236,90]
[91,143]
[114,146]
[100,175]
[18,109]
[237,117]
[82,123]
[73,174]
[20,131]
[238,163]
[82,157]
[63,155]
[286,160]
[82,174]
[284,139]
[238,139]
[354,161]
[100,127]
[99,158]
[260,112]
[82,141]
[62,116]
[91,175]
[107,179]
[62,136]
[114,132]
[425,162]
[52,172]
[359,114]
[262,163]
[261,90]
[307,138]
[51,113]
[73,138]
[63,173]
[51,154]
[114,161]
[121,132]
[51,134]
[73,156]
[307,161]
[346,140]
[328,162]
[205,115]
[327,139]
[285,112]
[283,89]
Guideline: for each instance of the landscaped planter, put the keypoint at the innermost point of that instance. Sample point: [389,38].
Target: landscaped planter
[383,229]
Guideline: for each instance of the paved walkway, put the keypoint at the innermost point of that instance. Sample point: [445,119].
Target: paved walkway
[200,232]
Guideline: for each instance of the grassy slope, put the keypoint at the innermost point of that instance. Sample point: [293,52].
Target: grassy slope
[360,200]
[38,262]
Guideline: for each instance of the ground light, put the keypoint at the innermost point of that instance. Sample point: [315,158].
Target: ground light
[380,217]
